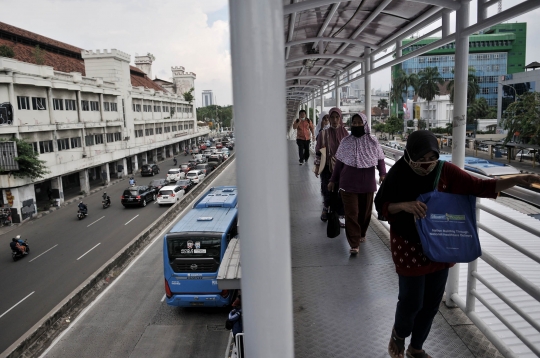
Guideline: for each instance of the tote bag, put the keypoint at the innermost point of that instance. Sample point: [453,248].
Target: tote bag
[448,233]
[333,228]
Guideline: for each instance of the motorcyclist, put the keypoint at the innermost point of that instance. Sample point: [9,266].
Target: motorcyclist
[107,198]
[83,208]
[131,181]
[18,245]
[175,162]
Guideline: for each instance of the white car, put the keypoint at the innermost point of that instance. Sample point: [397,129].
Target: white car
[195,175]
[170,194]
[175,174]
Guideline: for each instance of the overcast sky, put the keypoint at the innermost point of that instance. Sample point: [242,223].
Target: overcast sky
[189,33]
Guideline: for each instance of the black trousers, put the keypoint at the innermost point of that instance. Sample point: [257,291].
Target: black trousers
[303,150]
[418,303]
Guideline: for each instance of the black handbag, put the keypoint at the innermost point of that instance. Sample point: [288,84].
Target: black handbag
[333,228]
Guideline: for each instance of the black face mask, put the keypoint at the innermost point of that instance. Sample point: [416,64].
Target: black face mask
[358,131]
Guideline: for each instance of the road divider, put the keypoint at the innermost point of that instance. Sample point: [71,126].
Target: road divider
[44,252]
[50,326]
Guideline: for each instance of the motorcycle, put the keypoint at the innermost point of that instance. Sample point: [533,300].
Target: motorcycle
[106,203]
[81,214]
[18,254]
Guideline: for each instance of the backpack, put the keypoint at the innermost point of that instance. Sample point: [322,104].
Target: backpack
[229,324]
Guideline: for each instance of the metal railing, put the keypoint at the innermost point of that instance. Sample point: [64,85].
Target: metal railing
[467,304]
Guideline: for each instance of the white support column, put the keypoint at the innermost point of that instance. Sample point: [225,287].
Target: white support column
[367,83]
[57,189]
[338,99]
[482,12]
[322,98]
[257,42]
[314,119]
[135,163]
[460,117]
[105,174]
[445,24]
[84,181]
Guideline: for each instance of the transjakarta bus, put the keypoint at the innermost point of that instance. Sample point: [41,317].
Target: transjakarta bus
[194,248]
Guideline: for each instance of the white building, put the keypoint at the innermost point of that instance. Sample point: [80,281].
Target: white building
[89,114]
[207,98]
[438,113]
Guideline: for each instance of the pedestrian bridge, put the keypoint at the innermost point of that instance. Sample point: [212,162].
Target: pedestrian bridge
[343,305]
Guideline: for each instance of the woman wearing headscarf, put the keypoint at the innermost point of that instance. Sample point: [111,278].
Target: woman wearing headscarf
[329,139]
[422,281]
[322,124]
[357,157]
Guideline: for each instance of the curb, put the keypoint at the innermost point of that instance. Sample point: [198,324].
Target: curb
[34,341]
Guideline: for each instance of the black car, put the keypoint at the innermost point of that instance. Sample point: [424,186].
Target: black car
[138,195]
[205,168]
[185,184]
[157,184]
[149,169]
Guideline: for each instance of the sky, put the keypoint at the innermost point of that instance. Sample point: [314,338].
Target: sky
[189,33]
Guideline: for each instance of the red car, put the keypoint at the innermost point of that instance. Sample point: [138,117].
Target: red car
[203,146]
[219,145]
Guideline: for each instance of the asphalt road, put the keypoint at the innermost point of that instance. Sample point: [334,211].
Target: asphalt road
[65,251]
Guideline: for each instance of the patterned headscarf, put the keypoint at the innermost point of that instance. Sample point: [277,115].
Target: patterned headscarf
[319,124]
[363,152]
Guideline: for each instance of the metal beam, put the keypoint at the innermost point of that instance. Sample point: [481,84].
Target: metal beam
[331,39]
[292,20]
[320,78]
[332,68]
[311,86]
[449,4]
[315,56]
[333,10]
[306,5]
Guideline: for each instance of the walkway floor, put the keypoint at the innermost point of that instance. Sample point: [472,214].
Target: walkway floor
[344,305]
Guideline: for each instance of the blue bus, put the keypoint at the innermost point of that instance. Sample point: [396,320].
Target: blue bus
[194,248]
[484,167]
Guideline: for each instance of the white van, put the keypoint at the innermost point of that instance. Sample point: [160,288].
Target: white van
[195,175]
[170,194]
[175,174]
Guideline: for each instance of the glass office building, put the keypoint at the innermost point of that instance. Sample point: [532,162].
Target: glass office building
[498,51]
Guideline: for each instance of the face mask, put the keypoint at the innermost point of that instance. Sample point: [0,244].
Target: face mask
[326,126]
[422,168]
[358,131]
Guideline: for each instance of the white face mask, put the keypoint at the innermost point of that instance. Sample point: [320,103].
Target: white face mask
[326,126]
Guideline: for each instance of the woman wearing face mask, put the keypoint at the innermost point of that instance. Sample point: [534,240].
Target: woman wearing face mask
[421,281]
[357,157]
[329,139]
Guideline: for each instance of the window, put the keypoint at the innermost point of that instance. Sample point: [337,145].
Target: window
[98,138]
[23,102]
[488,68]
[149,131]
[85,105]
[35,146]
[75,142]
[147,108]
[157,108]
[110,137]
[137,107]
[494,90]
[70,105]
[167,129]
[165,108]
[117,136]
[46,146]
[94,105]
[485,90]
[159,130]
[89,139]
[495,67]
[58,104]
[496,55]
[138,133]
[421,60]
[63,144]
[39,103]
[174,129]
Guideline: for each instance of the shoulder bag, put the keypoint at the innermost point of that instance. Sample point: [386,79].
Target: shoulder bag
[449,232]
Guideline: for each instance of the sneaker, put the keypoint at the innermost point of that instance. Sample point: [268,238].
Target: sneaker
[324,215]
[342,221]
[301,163]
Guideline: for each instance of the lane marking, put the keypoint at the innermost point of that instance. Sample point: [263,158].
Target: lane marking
[43,253]
[131,220]
[16,304]
[126,270]
[96,221]
[163,298]
[89,251]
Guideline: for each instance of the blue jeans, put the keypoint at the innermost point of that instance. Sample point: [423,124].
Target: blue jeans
[418,303]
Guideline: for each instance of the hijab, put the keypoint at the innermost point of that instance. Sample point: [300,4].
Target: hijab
[334,136]
[403,184]
[360,152]
[319,124]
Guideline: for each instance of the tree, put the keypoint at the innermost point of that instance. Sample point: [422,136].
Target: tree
[410,123]
[379,127]
[393,125]
[449,128]
[472,86]
[428,84]
[313,116]
[422,124]
[479,109]
[382,104]
[188,96]
[523,117]
[6,51]
[39,55]
[29,163]
[215,114]
[400,85]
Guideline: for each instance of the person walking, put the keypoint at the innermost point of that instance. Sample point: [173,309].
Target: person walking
[324,123]
[354,173]
[304,132]
[329,139]
[421,282]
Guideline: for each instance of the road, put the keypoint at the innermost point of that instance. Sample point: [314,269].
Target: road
[64,253]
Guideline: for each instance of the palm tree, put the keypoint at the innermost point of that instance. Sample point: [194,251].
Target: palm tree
[472,86]
[428,83]
[382,104]
[400,85]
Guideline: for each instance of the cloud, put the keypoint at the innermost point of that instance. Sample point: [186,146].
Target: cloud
[176,32]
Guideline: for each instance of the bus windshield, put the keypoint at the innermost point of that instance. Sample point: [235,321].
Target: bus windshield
[194,246]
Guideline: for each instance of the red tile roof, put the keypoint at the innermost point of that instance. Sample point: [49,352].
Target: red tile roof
[62,57]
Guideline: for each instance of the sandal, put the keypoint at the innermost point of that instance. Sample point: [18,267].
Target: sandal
[342,221]
[396,344]
[324,215]
[354,250]
[421,354]
[363,239]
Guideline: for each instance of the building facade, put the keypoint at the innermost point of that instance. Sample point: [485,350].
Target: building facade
[499,50]
[89,114]
[513,85]
[207,98]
